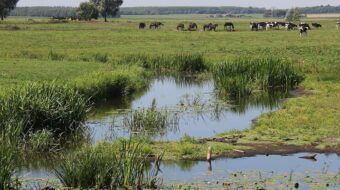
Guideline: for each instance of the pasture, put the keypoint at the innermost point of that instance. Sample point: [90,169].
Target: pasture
[96,61]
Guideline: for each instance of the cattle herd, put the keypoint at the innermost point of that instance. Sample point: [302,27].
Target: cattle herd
[254,26]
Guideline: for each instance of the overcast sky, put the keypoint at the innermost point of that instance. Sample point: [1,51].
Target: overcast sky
[131,3]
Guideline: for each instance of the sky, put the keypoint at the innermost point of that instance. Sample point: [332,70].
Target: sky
[244,3]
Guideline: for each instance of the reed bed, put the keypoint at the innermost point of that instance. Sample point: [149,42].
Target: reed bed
[243,76]
[108,84]
[8,162]
[150,120]
[111,166]
[38,106]
[167,62]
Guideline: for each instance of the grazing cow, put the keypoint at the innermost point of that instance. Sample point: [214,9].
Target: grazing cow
[192,26]
[156,25]
[254,26]
[280,24]
[271,25]
[303,31]
[213,27]
[207,26]
[180,27]
[290,26]
[142,25]
[316,25]
[305,26]
[229,26]
[261,25]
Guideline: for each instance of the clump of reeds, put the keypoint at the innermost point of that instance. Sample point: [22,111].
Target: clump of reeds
[244,76]
[150,120]
[161,63]
[108,84]
[8,162]
[119,165]
[38,106]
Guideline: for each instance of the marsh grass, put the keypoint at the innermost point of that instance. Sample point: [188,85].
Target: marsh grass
[109,84]
[38,106]
[119,165]
[243,76]
[151,120]
[8,162]
[167,62]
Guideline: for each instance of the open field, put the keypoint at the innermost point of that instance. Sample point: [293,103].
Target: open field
[315,16]
[95,60]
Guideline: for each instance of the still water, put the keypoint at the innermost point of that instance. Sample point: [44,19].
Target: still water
[201,113]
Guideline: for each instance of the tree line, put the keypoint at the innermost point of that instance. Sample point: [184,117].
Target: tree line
[71,11]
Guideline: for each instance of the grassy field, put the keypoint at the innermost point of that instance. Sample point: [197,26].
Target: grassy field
[36,50]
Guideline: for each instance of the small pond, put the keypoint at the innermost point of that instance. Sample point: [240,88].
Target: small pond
[201,113]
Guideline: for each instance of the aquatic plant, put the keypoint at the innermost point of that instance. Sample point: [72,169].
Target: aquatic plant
[150,120]
[243,76]
[38,106]
[121,164]
[8,162]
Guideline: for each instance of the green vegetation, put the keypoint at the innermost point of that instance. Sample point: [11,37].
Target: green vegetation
[150,120]
[8,159]
[243,76]
[163,63]
[43,106]
[122,164]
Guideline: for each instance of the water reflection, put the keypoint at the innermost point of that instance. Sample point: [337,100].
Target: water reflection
[184,171]
[202,113]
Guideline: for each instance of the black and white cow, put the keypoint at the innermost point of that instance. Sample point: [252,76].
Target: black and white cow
[338,25]
[305,26]
[303,31]
[254,26]
[316,25]
[270,25]
[262,25]
[290,26]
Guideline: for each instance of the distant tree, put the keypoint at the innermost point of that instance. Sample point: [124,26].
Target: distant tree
[108,7]
[87,11]
[6,6]
[293,14]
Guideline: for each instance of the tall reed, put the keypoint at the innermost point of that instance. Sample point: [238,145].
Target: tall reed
[150,121]
[177,62]
[122,164]
[243,76]
[38,106]
[8,162]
